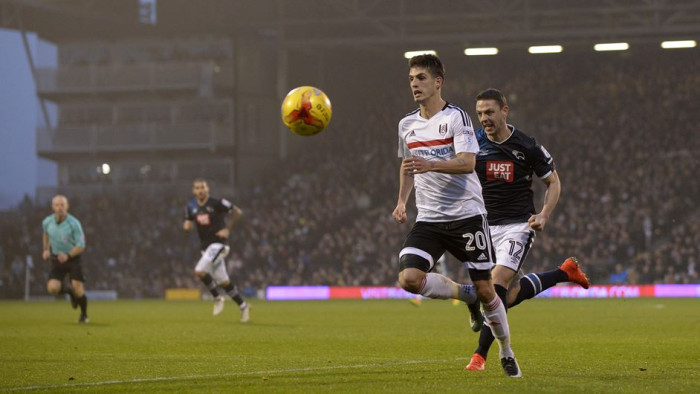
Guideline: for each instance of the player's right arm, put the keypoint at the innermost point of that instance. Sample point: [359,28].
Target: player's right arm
[47,246]
[405,178]
[405,188]
[188,224]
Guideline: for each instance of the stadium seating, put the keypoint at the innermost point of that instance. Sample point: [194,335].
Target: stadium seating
[620,132]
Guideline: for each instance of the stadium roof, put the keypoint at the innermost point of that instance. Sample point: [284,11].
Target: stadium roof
[333,23]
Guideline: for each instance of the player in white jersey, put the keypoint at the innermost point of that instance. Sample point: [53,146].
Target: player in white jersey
[438,148]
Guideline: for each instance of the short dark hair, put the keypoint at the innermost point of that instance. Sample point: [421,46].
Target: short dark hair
[199,180]
[430,62]
[493,94]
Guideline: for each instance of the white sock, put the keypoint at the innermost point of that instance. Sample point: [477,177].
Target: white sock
[496,319]
[442,287]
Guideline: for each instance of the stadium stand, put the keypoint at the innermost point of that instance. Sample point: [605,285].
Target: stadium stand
[618,130]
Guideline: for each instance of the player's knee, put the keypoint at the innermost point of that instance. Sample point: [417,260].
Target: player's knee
[482,284]
[413,269]
[200,274]
[484,291]
[410,283]
[53,288]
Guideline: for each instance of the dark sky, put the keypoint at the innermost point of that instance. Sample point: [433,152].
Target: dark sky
[20,170]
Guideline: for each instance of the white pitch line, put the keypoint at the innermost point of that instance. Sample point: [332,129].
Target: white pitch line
[188,377]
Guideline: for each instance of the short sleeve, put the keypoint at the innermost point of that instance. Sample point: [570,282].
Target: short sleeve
[541,161]
[188,213]
[78,234]
[464,137]
[224,205]
[403,150]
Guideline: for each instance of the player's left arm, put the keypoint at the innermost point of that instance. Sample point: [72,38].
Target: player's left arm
[46,243]
[235,215]
[551,198]
[188,224]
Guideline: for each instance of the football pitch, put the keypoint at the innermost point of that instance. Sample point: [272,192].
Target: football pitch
[562,345]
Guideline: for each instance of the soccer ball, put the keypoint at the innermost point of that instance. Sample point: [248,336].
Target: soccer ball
[306,110]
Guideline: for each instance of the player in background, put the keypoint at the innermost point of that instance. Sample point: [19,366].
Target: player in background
[210,214]
[438,148]
[63,242]
[505,164]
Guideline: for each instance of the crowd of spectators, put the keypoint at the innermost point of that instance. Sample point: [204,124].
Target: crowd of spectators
[621,132]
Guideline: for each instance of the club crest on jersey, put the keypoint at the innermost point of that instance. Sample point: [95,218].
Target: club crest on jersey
[443,129]
[518,154]
[501,171]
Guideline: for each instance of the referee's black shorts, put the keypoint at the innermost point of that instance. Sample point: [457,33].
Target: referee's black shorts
[71,267]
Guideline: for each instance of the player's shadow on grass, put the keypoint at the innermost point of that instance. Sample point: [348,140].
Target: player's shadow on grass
[258,324]
[88,325]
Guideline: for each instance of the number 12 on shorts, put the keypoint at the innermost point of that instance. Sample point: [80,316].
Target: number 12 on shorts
[513,252]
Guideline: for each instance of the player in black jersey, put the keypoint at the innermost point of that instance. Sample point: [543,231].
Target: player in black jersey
[506,161]
[210,216]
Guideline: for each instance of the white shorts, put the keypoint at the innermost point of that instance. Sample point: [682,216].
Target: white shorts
[512,242]
[212,261]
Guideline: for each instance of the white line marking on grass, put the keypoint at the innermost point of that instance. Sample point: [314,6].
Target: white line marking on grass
[188,377]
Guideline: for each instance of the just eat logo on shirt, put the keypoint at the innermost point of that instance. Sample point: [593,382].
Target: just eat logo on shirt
[499,171]
[203,219]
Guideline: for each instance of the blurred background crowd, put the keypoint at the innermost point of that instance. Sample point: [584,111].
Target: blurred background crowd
[622,134]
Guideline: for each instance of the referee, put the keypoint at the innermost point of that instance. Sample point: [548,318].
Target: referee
[64,242]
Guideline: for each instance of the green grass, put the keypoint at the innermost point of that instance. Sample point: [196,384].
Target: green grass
[562,345]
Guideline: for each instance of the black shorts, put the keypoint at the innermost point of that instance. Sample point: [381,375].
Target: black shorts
[71,267]
[468,240]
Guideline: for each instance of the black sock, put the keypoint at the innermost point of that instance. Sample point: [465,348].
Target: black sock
[82,302]
[527,289]
[71,294]
[551,278]
[209,282]
[232,291]
[533,284]
[485,341]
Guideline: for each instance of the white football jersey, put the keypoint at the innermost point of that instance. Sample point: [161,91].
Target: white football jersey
[442,197]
